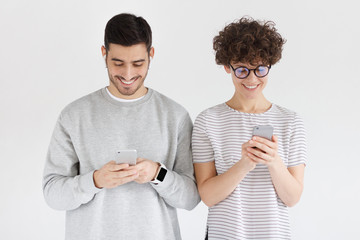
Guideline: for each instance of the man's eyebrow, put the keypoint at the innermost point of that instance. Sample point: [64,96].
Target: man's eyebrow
[136,61]
[117,60]
[140,60]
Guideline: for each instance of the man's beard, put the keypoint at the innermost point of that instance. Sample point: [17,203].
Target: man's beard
[127,91]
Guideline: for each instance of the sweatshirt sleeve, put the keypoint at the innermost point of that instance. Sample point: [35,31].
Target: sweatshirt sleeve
[179,189]
[63,187]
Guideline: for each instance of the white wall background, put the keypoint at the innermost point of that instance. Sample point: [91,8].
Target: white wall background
[50,55]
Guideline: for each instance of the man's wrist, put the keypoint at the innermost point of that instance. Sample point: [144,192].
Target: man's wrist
[160,174]
[156,171]
[95,174]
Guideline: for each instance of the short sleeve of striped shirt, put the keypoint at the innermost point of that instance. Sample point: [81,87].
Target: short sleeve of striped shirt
[201,145]
[297,146]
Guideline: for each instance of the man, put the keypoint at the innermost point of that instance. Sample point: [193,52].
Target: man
[106,200]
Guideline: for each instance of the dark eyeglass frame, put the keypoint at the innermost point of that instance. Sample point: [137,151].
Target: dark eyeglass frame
[249,70]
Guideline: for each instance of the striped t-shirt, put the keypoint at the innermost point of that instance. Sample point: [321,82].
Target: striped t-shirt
[253,210]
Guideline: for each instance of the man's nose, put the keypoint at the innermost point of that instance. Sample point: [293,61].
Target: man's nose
[128,73]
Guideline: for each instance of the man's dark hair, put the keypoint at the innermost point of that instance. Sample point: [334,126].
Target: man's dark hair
[248,41]
[127,30]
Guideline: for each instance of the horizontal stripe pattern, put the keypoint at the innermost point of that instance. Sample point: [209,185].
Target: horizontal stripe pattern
[253,210]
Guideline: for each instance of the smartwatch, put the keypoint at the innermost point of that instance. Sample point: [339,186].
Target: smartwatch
[160,176]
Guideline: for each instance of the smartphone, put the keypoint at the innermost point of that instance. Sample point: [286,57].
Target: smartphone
[126,156]
[265,131]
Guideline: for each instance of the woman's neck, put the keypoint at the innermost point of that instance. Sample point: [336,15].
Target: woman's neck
[258,105]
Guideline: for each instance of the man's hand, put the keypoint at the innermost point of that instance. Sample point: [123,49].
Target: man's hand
[147,170]
[112,175]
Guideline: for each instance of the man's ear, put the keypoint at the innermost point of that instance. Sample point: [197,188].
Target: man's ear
[103,51]
[152,52]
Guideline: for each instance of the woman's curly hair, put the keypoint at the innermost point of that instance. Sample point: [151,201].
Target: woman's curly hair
[248,41]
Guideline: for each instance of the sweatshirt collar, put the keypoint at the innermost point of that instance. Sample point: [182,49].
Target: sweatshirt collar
[143,99]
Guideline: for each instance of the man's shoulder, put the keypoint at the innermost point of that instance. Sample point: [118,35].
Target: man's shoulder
[168,104]
[82,104]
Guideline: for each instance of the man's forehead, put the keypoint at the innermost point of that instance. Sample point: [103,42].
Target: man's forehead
[140,47]
[127,53]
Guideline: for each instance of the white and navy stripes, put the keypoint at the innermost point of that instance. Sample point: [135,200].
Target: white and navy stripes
[253,210]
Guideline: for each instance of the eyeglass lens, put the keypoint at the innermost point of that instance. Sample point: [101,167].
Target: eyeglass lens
[243,72]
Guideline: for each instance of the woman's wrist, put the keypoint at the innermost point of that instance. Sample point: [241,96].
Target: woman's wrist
[276,165]
[246,166]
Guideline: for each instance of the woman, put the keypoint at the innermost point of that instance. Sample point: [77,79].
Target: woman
[248,181]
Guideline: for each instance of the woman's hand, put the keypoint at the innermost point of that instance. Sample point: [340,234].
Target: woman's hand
[288,182]
[246,161]
[265,151]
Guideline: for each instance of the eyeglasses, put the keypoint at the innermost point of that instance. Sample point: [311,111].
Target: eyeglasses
[243,72]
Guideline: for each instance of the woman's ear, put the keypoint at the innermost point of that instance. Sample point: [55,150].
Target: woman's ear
[227,69]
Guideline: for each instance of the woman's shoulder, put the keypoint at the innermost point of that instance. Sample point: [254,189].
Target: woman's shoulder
[286,114]
[283,110]
[213,111]
[211,116]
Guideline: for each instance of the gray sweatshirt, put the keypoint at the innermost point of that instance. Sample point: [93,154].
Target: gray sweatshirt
[87,134]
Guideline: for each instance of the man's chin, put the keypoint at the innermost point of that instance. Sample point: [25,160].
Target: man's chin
[129,92]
